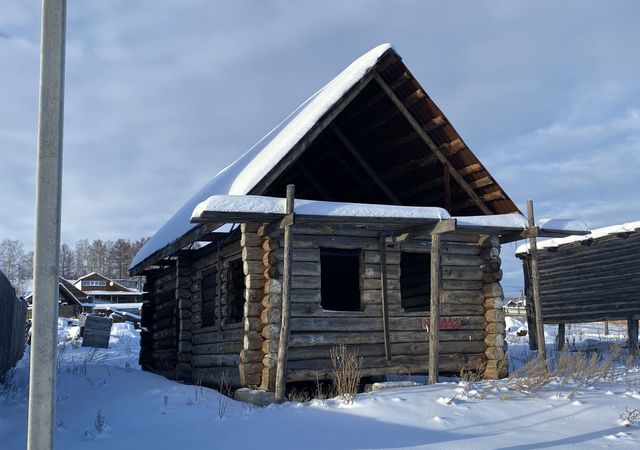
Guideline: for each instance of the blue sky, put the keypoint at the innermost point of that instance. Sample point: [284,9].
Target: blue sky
[160,95]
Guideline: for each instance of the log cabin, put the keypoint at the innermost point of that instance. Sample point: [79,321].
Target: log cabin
[393,251]
[588,278]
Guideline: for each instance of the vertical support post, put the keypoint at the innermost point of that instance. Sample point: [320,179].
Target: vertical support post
[219,289]
[535,282]
[560,338]
[385,300]
[40,432]
[283,344]
[446,179]
[632,332]
[606,328]
[434,323]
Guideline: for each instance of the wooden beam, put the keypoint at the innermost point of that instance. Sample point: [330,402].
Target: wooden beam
[471,168]
[446,181]
[535,284]
[393,144]
[443,226]
[218,298]
[311,136]
[365,165]
[189,237]
[385,306]
[560,338]
[632,332]
[344,162]
[403,78]
[312,180]
[452,147]
[434,320]
[283,343]
[409,166]
[434,148]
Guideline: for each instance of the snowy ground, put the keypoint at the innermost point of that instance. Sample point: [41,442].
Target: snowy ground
[105,402]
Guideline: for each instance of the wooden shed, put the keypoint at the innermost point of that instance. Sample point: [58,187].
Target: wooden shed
[397,212]
[595,277]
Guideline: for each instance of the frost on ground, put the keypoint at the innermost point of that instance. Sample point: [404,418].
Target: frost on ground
[104,401]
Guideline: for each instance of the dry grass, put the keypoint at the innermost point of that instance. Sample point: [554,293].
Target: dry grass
[346,372]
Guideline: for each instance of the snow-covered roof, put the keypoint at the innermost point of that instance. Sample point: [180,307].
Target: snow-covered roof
[254,207]
[595,234]
[114,293]
[246,172]
[257,204]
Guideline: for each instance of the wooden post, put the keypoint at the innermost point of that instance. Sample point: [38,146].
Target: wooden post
[632,331]
[446,180]
[385,307]
[535,283]
[434,323]
[219,288]
[606,328]
[560,338]
[281,368]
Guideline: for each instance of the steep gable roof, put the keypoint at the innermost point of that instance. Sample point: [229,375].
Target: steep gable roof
[413,154]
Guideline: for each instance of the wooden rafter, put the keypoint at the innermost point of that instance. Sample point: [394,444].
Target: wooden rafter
[409,166]
[311,136]
[364,164]
[312,180]
[355,113]
[432,146]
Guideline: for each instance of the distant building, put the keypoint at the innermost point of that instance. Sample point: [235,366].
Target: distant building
[71,303]
[99,288]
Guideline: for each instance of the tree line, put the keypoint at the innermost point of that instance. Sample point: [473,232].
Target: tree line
[110,258]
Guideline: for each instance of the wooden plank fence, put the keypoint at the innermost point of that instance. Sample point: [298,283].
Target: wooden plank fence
[13,316]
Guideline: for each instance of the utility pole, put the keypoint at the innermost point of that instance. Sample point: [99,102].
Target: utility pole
[42,376]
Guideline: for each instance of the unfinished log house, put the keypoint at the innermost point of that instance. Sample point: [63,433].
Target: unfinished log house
[355,274]
[589,278]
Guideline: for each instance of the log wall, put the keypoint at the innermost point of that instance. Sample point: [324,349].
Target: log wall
[591,280]
[177,345]
[471,290]
[159,337]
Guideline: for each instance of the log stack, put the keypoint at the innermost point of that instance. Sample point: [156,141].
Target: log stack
[494,313]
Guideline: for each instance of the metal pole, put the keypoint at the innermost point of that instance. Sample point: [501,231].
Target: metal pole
[535,284]
[40,433]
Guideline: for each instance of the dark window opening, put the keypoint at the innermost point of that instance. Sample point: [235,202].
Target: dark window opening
[415,281]
[209,293]
[340,279]
[235,295]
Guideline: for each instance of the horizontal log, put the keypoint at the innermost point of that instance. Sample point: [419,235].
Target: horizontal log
[420,349]
[337,338]
[461,260]
[357,324]
[212,376]
[215,360]
[461,273]
[373,257]
[217,348]
[446,364]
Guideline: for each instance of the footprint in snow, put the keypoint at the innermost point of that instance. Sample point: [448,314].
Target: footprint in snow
[397,399]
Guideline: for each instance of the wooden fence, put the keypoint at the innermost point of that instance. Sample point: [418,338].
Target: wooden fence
[13,315]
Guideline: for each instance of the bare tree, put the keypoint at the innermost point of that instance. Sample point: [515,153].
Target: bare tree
[120,257]
[66,261]
[12,263]
[82,258]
